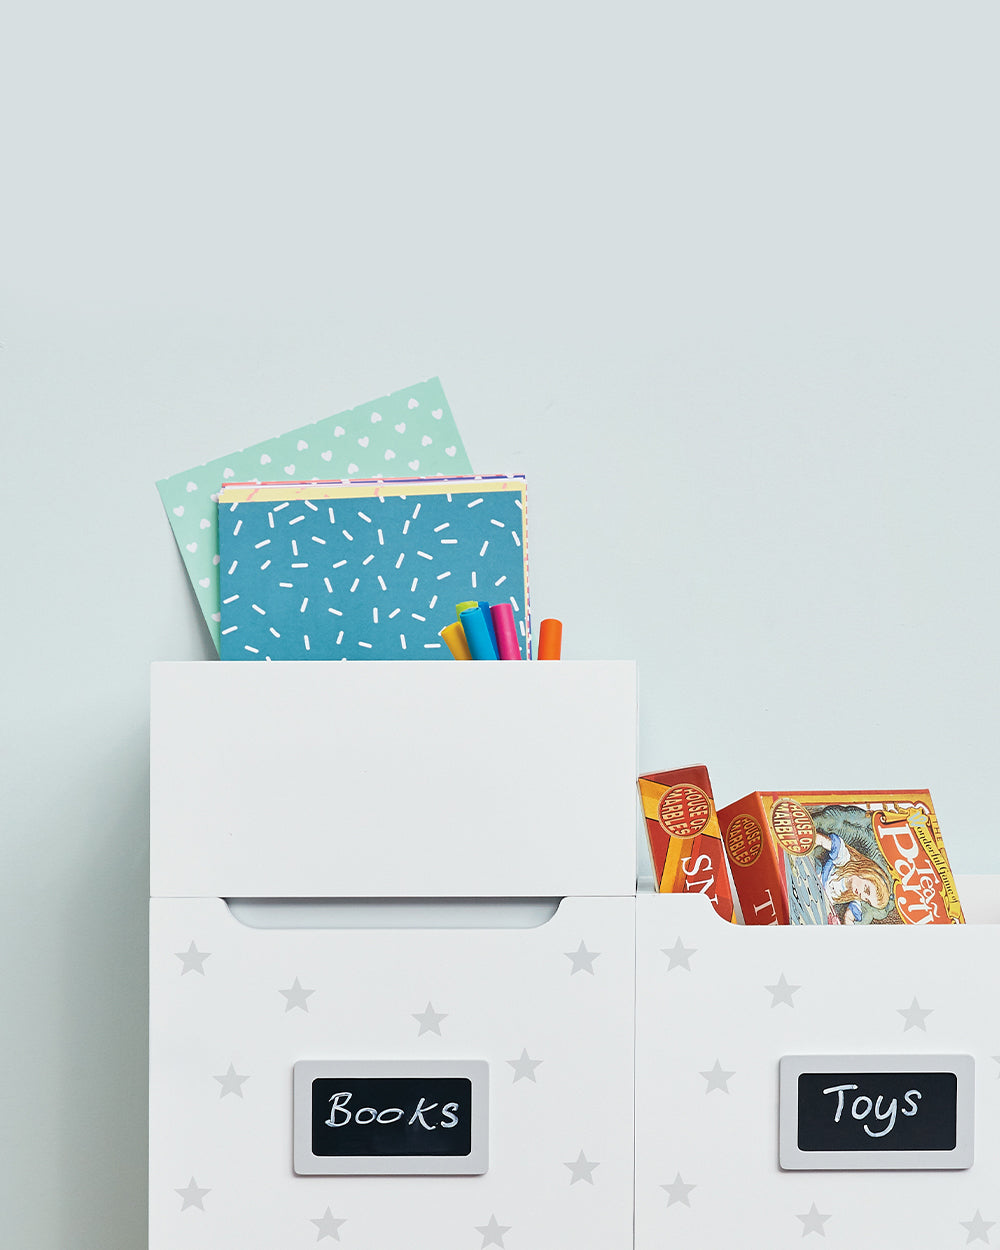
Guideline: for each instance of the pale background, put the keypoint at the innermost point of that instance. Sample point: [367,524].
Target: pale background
[721,278]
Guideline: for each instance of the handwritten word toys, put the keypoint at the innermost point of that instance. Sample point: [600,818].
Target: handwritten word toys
[684,838]
[843,1112]
[839,857]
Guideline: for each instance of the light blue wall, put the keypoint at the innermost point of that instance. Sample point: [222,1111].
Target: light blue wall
[721,278]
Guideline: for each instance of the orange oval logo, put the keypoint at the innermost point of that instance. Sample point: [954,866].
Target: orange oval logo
[744,840]
[684,811]
[793,827]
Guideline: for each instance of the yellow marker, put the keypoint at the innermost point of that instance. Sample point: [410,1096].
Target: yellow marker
[454,636]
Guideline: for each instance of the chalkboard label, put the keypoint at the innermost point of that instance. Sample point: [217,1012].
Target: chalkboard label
[876,1111]
[390,1116]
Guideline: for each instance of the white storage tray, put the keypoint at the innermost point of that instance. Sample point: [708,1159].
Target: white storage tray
[719,1005]
[430,794]
[392,779]
[550,1009]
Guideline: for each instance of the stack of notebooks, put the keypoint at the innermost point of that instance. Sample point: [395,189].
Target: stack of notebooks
[365,569]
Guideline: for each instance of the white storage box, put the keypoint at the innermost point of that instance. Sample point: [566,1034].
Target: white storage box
[372,785]
[719,1006]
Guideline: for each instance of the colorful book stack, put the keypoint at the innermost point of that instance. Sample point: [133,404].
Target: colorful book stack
[362,569]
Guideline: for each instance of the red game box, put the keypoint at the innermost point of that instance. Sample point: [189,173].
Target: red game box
[684,839]
[839,857]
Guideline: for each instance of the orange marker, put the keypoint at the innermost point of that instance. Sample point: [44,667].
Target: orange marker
[550,639]
[454,637]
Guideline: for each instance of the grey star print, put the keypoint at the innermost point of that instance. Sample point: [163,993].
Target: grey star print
[782,992]
[581,1169]
[582,959]
[231,1083]
[717,1078]
[328,1225]
[296,996]
[493,1232]
[193,1196]
[193,960]
[914,1015]
[679,956]
[678,1191]
[977,1228]
[429,1020]
[812,1221]
[524,1068]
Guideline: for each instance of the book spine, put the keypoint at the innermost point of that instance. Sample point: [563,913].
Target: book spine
[753,862]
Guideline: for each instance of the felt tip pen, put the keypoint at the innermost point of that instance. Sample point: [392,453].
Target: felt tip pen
[477,634]
[488,615]
[456,641]
[506,631]
[550,639]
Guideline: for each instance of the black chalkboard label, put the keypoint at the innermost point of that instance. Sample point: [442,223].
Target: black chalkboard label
[876,1111]
[374,1117]
[391,1115]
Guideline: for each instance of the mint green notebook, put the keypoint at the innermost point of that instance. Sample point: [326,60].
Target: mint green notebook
[407,433]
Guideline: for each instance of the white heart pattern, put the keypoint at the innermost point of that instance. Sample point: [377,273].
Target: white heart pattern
[450,451]
[192,486]
[338,431]
[289,469]
[204,523]
[414,403]
[192,547]
[390,454]
[376,417]
[326,455]
[352,468]
[216,559]
[179,511]
[426,441]
[401,428]
[227,473]
[363,442]
[301,445]
[437,413]
[216,616]
[414,465]
[265,459]
[204,582]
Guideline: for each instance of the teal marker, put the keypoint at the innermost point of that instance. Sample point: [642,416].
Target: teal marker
[477,634]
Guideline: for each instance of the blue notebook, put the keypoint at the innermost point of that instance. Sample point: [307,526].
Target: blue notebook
[365,570]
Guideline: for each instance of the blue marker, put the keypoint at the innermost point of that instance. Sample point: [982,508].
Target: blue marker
[478,635]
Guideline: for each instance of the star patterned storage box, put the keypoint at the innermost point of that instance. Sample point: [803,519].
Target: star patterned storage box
[392,955]
[722,1010]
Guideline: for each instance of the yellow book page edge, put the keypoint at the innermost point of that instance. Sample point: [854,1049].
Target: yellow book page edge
[270,493]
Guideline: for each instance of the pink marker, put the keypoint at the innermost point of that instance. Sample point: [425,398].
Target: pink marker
[503,623]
